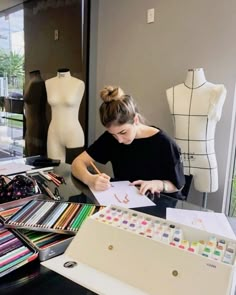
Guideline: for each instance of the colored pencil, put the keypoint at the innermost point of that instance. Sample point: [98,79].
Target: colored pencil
[95,168]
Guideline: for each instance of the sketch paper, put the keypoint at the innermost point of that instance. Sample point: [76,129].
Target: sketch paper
[216,223]
[122,194]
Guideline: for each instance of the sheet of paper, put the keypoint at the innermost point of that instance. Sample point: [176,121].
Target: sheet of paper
[13,168]
[122,194]
[213,222]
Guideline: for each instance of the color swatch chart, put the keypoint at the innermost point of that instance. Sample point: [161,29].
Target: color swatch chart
[160,230]
[13,252]
[53,216]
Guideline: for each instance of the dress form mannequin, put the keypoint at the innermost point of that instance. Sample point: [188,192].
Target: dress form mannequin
[64,94]
[35,99]
[196,107]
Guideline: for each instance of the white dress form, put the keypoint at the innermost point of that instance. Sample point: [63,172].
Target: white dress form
[64,94]
[196,107]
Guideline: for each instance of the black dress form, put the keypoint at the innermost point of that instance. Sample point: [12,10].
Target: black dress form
[35,100]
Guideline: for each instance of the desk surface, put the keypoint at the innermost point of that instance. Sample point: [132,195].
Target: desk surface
[36,279]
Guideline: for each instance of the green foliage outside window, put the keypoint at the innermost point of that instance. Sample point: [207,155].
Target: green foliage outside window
[233,199]
[12,67]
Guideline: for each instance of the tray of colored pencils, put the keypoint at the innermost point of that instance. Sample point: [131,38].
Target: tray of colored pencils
[52,216]
[14,251]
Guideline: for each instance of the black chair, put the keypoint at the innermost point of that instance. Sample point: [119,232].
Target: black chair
[185,190]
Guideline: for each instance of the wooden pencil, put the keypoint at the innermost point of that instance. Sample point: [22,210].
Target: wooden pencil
[95,168]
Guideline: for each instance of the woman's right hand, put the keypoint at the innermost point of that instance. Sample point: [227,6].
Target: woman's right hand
[100,182]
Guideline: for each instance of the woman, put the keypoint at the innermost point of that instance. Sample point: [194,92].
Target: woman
[142,154]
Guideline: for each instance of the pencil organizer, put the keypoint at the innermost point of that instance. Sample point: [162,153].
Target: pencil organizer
[14,251]
[51,216]
[46,244]
[151,254]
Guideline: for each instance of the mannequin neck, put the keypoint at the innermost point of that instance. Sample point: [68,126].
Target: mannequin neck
[195,78]
[35,74]
[63,74]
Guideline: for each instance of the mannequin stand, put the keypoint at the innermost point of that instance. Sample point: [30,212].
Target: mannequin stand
[204,200]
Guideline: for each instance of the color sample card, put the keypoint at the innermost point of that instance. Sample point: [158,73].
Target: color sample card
[61,217]
[121,193]
[13,252]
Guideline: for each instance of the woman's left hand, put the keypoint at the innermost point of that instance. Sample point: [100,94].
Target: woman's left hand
[153,186]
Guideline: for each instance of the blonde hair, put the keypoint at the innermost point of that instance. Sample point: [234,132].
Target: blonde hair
[117,108]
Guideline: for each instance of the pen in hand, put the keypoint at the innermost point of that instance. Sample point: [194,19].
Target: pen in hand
[96,169]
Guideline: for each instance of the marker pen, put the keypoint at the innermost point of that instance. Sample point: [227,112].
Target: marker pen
[213,240]
[119,212]
[113,211]
[218,253]
[156,225]
[202,245]
[149,232]
[194,247]
[178,233]
[125,215]
[228,256]
[134,217]
[176,241]
[206,252]
[222,243]
[124,224]
[158,234]
[166,237]
[116,221]
[232,246]
[131,226]
[211,246]
[165,226]
[171,229]
[143,225]
[109,219]
[184,244]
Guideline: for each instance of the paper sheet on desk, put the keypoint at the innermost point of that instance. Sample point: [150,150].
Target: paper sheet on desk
[13,168]
[122,194]
[216,223]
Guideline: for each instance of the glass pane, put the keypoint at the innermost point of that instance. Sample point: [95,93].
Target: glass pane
[11,84]
[232,207]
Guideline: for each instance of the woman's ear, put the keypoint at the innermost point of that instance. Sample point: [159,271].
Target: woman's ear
[136,119]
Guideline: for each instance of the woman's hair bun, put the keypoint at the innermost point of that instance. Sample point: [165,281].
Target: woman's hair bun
[109,93]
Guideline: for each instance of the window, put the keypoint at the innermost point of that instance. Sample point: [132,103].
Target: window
[11,83]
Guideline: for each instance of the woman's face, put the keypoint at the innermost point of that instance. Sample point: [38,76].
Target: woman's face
[125,133]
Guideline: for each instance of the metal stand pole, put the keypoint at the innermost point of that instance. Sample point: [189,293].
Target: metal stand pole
[204,200]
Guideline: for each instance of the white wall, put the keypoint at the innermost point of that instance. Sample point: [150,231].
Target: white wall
[146,59]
